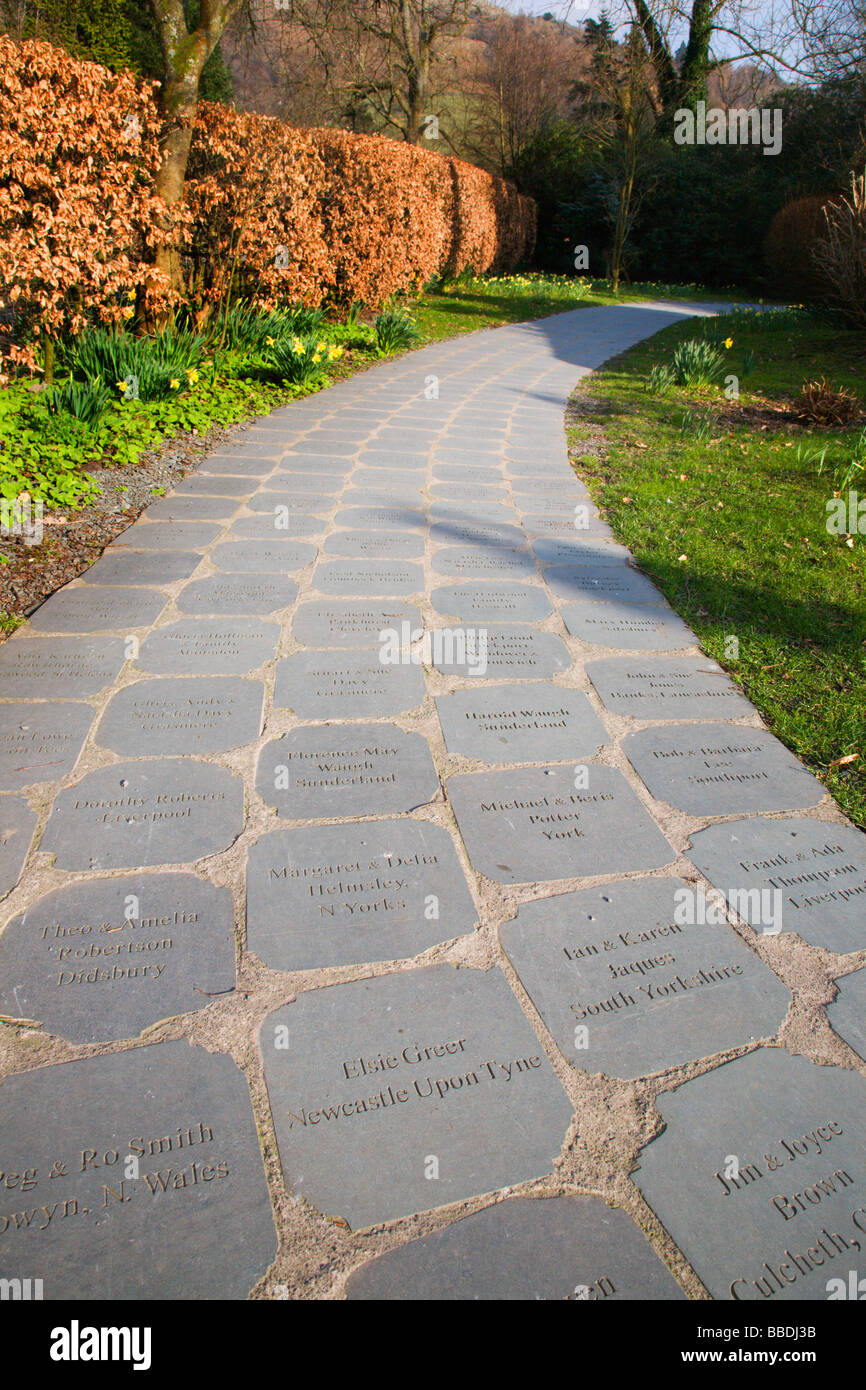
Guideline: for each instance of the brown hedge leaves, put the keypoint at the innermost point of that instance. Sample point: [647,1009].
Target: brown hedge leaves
[272,212]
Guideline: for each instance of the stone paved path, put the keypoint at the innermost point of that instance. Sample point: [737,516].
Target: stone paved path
[367,825]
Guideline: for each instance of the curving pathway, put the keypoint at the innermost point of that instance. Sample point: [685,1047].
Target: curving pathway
[382,856]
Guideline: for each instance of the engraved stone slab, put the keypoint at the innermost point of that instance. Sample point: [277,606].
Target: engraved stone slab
[480,562]
[619,582]
[130,815]
[520,723]
[487,513]
[383,497]
[209,647]
[17,824]
[148,567]
[203,485]
[231,593]
[847,1013]
[580,552]
[523,1249]
[236,465]
[41,743]
[322,484]
[651,991]
[169,535]
[354,624]
[384,518]
[192,508]
[499,602]
[783,1227]
[346,685]
[477,533]
[325,771]
[285,503]
[628,626]
[500,651]
[811,874]
[185,715]
[263,556]
[410,1065]
[87,608]
[532,825]
[44,667]
[368,577]
[720,769]
[687,687]
[185,1115]
[280,526]
[349,894]
[375,545]
[563,528]
[77,961]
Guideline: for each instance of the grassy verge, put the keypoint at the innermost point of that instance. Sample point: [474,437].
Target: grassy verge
[724,502]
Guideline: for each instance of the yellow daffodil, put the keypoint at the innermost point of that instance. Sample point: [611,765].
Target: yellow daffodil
[192,376]
[121,385]
[174,383]
[131,296]
[729,342]
[334,353]
[321,347]
[128,313]
[270,341]
[317,357]
[297,345]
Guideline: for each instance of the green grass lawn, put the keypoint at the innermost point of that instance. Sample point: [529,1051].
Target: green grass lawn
[724,503]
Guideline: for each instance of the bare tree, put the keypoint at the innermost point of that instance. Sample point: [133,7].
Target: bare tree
[381,55]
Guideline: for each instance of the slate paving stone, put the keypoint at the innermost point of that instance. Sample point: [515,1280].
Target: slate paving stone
[209,647]
[138,814]
[480,562]
[628,626]
[499,602]
[487,513]
[411,1066]
[315,484]
[532,824]
[169,535]
[263,557]
[354,623]
[237,466]
[381,518]
[17,824]
[383,497]
[523,1249]
[241,594]
[847,1013]
[795,874]
[204,485]
[381,458]
[368,577]
[101,960]
[619,583]
[588,524]
[166,716]
[452,473]
[279,526]
[148,568]
[350,894]
[532,723]
[720,769]
[185,1115]
[335,770]
[627,985]
[41,742]
[501,651]
[794,1132]
[93,609]
[192,508]
[468,492]
[468,533]
[375,545]
[687,687]
[46,668]
[315,463]
[346,685]
[280,503]
[550,505]
[387,478]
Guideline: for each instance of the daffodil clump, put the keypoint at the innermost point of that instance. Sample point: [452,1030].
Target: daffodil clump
[302,360]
